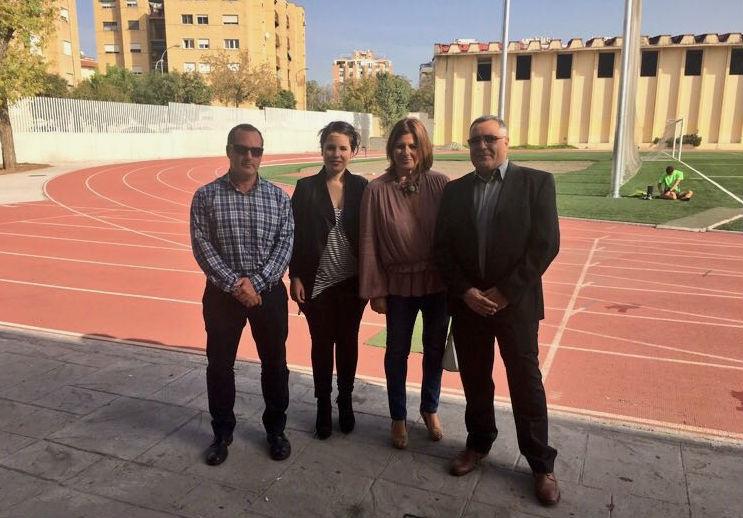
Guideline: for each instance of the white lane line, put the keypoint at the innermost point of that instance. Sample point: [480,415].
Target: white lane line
[95,227]
[661,359]
[682,254]
[669,292]
[663,265]
[685,314]
[102,263]
[661,319]
[88,186]
[95,218]
[667,284]
[159,178]
[555,345]
[656,346]
[126,182]
[161,222]
[134,296]
[679,271]
[186,248]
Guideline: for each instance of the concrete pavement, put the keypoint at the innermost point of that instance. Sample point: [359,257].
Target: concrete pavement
[90,428]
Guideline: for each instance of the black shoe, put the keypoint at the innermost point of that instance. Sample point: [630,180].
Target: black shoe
[217,452]
[324,421]
[279,447]
[346,419]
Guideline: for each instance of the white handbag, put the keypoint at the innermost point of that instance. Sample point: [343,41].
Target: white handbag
[449,361]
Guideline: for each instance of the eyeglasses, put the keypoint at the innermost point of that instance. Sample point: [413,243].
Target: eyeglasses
[488,139]
[255,152]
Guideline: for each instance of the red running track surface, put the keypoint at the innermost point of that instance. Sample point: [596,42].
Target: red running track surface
[108,255]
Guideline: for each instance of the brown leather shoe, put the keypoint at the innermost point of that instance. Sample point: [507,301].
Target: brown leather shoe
[546,488]
[433,424]
[399,434]
[465,462]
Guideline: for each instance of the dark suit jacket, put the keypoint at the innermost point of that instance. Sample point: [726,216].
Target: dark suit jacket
[314,217]
[523,239]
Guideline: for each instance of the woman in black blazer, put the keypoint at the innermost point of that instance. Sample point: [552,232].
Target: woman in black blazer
[324,270]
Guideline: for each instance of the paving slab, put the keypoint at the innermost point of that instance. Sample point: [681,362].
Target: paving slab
[112,429]
[124,428]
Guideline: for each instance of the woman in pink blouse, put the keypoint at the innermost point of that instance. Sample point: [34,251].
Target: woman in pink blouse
[397,272]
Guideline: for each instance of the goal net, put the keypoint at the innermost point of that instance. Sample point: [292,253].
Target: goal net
[669,144]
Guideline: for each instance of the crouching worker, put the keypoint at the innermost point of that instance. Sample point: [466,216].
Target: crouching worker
[669,185]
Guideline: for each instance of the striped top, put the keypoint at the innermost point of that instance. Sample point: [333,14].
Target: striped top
[338,262]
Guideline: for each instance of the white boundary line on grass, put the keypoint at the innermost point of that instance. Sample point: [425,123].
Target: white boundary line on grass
[723,189]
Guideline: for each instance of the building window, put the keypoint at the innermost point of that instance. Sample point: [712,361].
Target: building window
[131,3]
[564,68]
[693,65]
[232,44]
[234,66]
[202,19]
[187,19]
[64,14]
[649,63]
[133,25]
[189,67]
[135,48]
[736,62]
[229,19]
[110,26]
[107,4]
[484,70]
[523,68]
[606,64]
[136,70]
[203,43]
[67,48]
[204,68]
[111,48]
[187,43]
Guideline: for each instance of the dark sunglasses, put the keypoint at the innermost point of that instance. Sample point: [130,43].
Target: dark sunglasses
[255,152]
[488,139]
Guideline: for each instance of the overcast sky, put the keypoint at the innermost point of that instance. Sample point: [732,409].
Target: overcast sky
[405,31]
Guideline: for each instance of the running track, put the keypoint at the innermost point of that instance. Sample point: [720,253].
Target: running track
[108,255]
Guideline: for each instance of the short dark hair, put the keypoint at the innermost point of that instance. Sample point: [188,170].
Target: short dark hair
[416,128]
[344,128]
[486,118]
[242,127]
[669,169]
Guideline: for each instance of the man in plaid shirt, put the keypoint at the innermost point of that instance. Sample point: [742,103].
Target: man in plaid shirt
[242,232]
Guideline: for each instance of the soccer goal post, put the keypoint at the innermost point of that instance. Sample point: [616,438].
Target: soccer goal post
[669,144]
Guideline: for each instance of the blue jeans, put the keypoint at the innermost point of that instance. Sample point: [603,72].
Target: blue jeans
[401,314]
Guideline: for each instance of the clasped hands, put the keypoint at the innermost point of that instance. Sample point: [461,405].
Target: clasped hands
[485,303]
[246,294]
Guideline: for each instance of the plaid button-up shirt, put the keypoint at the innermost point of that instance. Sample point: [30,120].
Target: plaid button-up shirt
[235,234]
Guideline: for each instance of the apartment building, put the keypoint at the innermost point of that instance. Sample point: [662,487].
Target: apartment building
[62,49]
[360,64]
[567,93]
[170,35]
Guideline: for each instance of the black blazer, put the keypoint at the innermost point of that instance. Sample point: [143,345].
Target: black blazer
[314,218]
[523,239]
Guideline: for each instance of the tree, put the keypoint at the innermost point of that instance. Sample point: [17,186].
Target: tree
[24,26]
[423,97]
[359,95]
[240,82]
[54,86]
[320,98]
[392,97]
[174,87]
[282,99]
[117,85]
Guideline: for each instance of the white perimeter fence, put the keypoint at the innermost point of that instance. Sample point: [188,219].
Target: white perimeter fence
[49,130]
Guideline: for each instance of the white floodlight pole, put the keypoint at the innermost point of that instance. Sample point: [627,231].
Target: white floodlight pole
[504,61]
[619,135]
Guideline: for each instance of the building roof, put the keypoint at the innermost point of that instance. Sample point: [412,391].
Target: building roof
[541,44]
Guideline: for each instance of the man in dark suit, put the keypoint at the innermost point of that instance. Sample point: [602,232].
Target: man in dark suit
[497,233]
